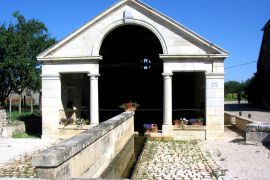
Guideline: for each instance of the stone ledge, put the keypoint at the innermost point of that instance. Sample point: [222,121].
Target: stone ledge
[258,132]
[16,127]
[58,154]
[258,127]
[75,127]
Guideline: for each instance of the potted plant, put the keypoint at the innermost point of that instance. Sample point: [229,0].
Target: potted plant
[177,122]
[180,122]
[150,128]
[199,122]
[130,106]
[154,128]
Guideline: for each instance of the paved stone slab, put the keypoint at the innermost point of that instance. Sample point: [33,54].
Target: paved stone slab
[175,160]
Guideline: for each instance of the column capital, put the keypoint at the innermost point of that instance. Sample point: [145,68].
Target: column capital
[167,75]
[93,76]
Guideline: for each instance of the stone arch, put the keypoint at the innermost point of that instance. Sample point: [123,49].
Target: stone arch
[118,23]
[131,70]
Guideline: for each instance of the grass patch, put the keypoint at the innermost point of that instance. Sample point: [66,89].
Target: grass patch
[22,135]
[230,97]
[15,115]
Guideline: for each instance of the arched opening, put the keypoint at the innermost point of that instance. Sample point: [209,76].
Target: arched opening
[131,71]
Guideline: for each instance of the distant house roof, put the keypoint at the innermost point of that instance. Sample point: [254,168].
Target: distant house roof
[267,25]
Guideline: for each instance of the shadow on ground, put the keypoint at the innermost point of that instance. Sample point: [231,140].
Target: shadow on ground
[239,132]
[243,107]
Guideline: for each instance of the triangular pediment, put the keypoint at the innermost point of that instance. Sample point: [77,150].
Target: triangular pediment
[84,43]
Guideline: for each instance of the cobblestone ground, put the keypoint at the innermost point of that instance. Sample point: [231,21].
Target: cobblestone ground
[175,160]
[20,167]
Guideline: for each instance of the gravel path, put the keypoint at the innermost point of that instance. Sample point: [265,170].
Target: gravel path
[16,156]
[237,159]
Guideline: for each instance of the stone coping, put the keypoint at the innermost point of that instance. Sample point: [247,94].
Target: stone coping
[241,117]
[75,127]
[63,151]
[258,127]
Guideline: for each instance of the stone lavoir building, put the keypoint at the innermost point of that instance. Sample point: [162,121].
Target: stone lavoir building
[131,52]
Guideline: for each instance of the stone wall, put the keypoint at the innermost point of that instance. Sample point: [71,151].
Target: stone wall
[229,119]
[190,133]
[240,122]
[14,128]
[87,154]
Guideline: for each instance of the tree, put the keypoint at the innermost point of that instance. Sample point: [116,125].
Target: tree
[258,90]
[20,43]
[231,87]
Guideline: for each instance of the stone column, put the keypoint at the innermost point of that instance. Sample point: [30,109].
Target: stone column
[51,104]
[167,104]
[214,105]
[94,105]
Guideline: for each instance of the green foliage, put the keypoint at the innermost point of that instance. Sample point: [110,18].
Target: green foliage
[22,135]
[20,43]
[231,87]
[15,115]
[258,89]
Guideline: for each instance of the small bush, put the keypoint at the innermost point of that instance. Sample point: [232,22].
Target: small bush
[22,135]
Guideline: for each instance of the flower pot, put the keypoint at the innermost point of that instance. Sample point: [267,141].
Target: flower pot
[197,123]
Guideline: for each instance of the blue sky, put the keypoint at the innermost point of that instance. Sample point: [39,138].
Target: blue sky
[234,25]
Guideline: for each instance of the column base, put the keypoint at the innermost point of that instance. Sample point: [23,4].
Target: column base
[167,130]
[93,124]
[53,137]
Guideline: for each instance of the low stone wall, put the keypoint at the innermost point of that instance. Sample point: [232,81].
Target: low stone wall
[88,154]
[239,121]
[242,122]
[69,131]
[15,128]
[229,118]
[190,133]
[258,132]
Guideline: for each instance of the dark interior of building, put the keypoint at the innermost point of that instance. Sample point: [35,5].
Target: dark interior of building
[131,71]
[188,95]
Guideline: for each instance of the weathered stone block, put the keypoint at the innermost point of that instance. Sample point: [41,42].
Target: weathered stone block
[258,132]
[264,127]
[252,127]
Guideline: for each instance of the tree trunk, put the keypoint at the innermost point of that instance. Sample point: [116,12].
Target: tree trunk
[10,106]
[32,109]
[20,104]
